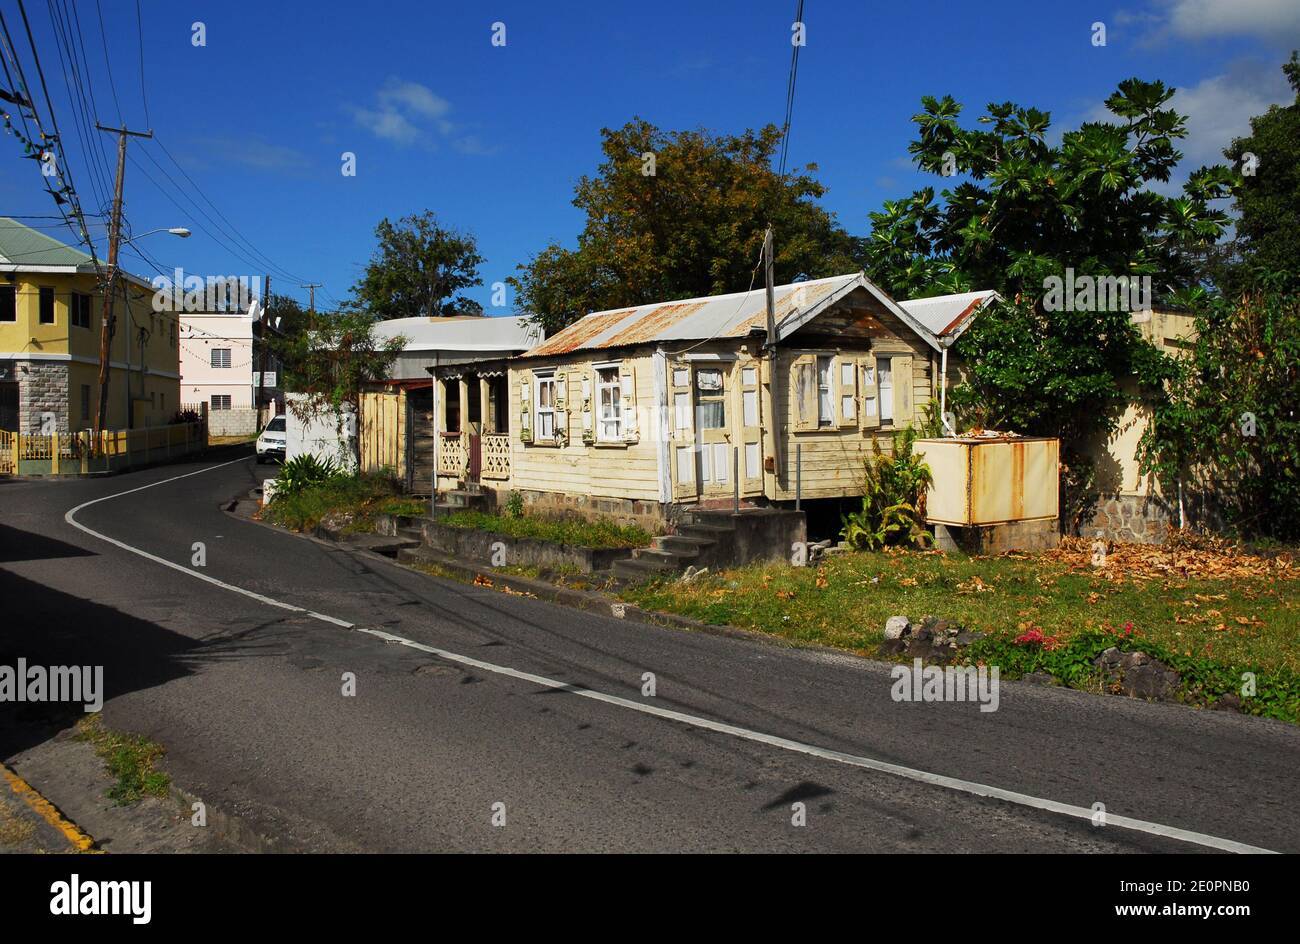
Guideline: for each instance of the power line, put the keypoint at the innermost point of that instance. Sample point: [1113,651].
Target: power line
[76,98]
[789,89]
[139,33]
[103,37]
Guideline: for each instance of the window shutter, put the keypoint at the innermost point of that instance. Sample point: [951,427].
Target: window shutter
[903,395]
[561,405]
[803,392]
[525,406]
[751,423]
[681,429]
[627,380]
[846,390]
[588,411]
[869,414]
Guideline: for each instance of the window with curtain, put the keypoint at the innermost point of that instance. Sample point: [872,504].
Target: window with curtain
[545,407]
[609,404]
[825,407]
[710,399]
[885,380]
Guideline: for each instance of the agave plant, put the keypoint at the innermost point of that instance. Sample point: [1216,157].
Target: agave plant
[893,498]
[304,472]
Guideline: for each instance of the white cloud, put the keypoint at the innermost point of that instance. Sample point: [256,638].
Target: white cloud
[1208,19]
[402,113]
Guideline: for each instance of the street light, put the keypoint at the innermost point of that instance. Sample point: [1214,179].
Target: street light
[180,231]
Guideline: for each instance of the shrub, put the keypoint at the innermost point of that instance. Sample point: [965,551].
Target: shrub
[303,472]
[893,498]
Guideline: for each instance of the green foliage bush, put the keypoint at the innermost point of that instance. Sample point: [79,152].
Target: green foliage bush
[304,472]
[893,498]
[575,531]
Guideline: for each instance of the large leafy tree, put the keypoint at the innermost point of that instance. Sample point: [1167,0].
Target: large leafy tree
[1268,200]
[1021,210]
[419,269]
[689,224]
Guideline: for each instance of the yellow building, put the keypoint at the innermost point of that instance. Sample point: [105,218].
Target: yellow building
[51,307]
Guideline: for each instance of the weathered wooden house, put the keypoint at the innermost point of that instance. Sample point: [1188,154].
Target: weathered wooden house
[643,412]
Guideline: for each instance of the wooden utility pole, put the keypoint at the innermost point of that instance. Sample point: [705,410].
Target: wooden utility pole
[106,328]
[769,270]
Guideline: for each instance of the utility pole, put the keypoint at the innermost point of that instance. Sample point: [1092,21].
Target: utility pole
[311,303]
[261,345]
[107,326]
[769,270]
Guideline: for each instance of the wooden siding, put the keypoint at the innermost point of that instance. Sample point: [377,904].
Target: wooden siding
[614,470]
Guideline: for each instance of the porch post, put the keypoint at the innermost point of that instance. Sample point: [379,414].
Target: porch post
[484,425]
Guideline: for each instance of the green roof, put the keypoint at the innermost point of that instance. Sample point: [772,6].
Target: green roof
[20,245]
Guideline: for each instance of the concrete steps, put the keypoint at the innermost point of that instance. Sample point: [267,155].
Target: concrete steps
[694,544]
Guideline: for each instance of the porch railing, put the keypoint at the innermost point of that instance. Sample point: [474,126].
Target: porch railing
[452,458]
[496,456]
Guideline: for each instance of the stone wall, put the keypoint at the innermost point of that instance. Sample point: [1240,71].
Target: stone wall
[42,388]
[650,515]
[1140,518]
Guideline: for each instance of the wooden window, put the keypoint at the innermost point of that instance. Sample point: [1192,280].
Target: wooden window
[46,316]
[885,383]
[710,399]
[8,303]
[825,405]
[545,406]
[609,404]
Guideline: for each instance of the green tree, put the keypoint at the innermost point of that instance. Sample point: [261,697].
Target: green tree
[419,269]
[286,314]
[673,215]
[1022,210]
[330,364]
[1229,424]
[1268,200]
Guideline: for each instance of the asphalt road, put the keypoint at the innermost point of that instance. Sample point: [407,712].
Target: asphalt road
[247,698]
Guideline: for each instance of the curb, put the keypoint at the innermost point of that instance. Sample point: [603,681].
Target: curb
[47,811]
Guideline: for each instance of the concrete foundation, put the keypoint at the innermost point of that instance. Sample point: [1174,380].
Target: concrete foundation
[1038,535]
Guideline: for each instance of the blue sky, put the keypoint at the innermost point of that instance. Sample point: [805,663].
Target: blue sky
[493,138]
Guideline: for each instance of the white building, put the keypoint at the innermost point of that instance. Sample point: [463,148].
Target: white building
[217,364]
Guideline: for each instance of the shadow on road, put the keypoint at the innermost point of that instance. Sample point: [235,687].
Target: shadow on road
[48,627]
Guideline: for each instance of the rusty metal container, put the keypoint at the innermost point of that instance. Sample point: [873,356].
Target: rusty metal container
[991,480]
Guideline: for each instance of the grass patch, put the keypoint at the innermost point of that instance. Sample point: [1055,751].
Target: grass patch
[578,532]
[1209,628]
[131,758]
[358,499]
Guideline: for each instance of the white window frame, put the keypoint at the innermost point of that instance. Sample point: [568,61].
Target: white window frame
[825,391]
[616,401]
[539,411]
[885,393]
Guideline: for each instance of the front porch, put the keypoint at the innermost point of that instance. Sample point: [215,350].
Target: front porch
[472,425]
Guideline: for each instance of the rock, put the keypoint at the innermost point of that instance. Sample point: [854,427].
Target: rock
[892,647]
[896,627]
[1228,702]
[1139,675]
[965,637]
[1039,678]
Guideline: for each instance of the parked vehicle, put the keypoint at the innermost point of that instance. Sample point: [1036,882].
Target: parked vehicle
[271,441]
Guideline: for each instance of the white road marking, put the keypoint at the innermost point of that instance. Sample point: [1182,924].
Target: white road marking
[798,747]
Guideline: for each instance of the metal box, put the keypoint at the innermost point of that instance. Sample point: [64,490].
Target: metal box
[991,480]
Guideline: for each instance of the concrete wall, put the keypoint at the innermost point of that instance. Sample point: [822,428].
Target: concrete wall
[241,422]
[326,436]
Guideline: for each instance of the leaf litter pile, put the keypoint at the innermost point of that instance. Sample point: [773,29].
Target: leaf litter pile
[1179,558]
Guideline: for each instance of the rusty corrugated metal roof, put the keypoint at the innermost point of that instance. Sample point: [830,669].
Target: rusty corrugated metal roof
[695,319]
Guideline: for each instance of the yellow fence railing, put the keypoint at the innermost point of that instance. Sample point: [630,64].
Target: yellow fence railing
[75,453]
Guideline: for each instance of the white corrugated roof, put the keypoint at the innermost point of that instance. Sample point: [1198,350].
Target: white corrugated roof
[461,333]
[946,316]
